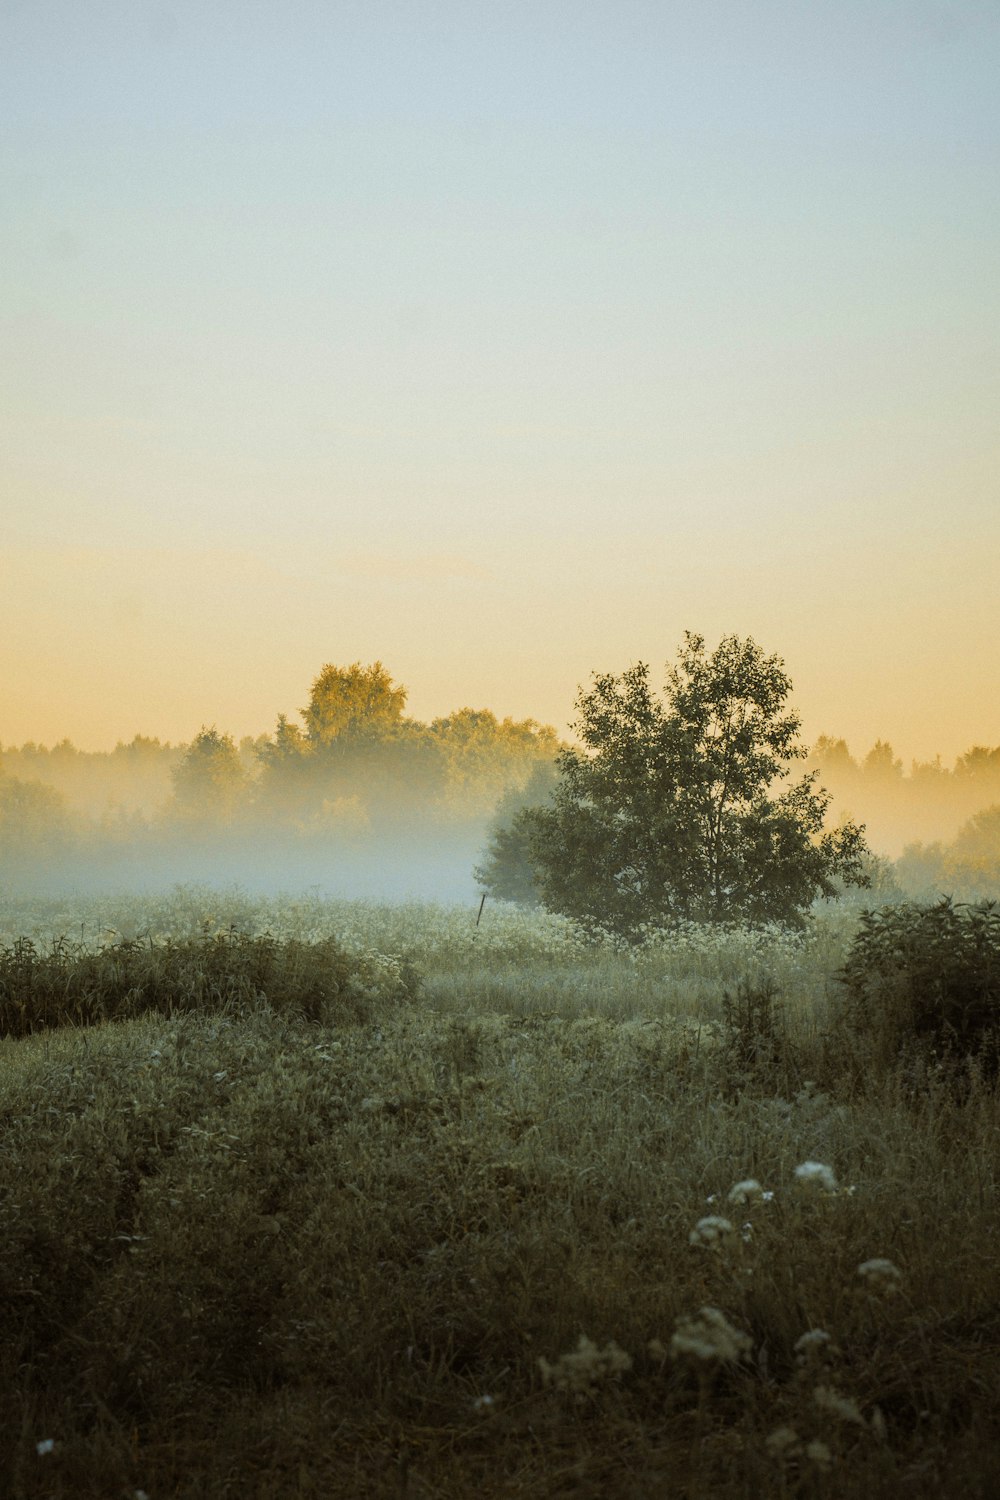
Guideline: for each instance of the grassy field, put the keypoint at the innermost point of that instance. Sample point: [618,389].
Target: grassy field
[368,1201]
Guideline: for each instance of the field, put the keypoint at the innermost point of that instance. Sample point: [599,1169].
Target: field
[503,1210]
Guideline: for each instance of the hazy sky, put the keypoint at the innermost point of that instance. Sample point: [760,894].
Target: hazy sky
[503,342]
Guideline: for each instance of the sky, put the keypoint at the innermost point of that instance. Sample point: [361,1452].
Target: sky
[503,343]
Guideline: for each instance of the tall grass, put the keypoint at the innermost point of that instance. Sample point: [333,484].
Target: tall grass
[428,1250]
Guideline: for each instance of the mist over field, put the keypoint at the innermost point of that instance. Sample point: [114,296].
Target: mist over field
[359,800]
[356,799]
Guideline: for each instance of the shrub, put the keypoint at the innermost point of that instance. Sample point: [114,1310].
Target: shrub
[757,1050]
[927,979]
[71,985]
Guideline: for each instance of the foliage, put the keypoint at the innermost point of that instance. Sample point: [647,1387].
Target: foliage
[670,811]
[221,1228]
[34,820]
[210,781]
[353,702]
[71,985]
[929,976]
[507,871]
[356,751]
[353,725]
[515,960]
[967,868]
[755,1040]
[485,759]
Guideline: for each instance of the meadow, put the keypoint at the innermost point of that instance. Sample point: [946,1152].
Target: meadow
[309,1197]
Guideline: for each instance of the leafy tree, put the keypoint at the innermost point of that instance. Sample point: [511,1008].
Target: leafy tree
[967,869]
[974,857]
[485,758]
[210,781]
[508,869]
[981,760]
[353,702]
[287,781]
[34,822]
[834,761]
[881,763]
[673,810]
[356,747]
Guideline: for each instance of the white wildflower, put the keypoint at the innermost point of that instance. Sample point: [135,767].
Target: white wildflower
[586,1368]
[710,1337]
[47,1445]
[483,1403]
[819,1453]
[880,1275]
[813,1346]
[837,1405]
[711,1232]
[813,1174]
[783,1442]
[746,1191]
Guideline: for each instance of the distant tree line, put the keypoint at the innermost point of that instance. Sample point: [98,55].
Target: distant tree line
[355,762]
[352,765]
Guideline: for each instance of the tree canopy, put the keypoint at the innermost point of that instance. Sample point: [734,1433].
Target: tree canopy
[353,702]
[674,808]
[210,780]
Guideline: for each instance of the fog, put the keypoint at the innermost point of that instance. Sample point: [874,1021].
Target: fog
[432,865]
[354,799]
[357,800]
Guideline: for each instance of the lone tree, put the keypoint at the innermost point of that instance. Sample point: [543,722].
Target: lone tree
[674,810]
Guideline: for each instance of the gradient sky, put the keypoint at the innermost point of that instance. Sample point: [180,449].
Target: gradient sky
[503,342]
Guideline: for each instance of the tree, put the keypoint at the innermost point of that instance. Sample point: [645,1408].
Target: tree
[507,870]
[673,809]
[35,824]
[210,780]
[484,759]
[353,702]
[881,765]
[355,746]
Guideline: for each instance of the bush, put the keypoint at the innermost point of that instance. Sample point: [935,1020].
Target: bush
[758,1052]
[72,985]
[927,979]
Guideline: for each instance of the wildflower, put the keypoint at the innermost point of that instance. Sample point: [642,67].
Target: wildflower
[783,1442]
[880,1275]
[813,1174]
[586,1368]
[710,1232]
[483,1403]
[837,1405]
[819,1453]
[710,1337]
[47,1445]
[813,1346]
[744,1192]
